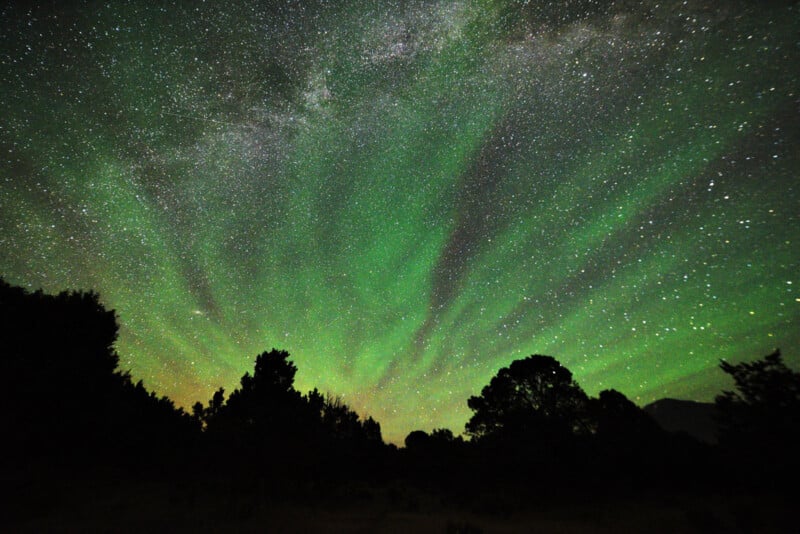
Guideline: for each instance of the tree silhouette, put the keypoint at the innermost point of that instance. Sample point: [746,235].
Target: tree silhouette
[340,423]
[439,444]
[536,434]
[618,420]
[626,440]
[266,419]
[535,397]
[68,337]
[764,411]
[70,403]
[265,408]
[58,365]
[417,440]
[372,430]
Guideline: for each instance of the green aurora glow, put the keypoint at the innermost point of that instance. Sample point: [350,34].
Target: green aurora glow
[407,196]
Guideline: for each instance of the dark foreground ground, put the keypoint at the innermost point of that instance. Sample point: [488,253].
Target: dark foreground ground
[148,507]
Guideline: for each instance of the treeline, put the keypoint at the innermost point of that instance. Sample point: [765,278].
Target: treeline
[268,430]
[533,432]
[71,407]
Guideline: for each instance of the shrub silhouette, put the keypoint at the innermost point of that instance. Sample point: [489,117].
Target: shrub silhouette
[436,459]
[439,441]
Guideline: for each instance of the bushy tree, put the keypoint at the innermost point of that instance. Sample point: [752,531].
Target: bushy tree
[763,413]
[65,340]
[533,398]
[59,366]
[417,440]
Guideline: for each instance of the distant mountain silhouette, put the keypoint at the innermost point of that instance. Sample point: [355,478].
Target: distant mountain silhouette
[691,417]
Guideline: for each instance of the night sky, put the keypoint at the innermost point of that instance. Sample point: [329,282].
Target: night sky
[409,195]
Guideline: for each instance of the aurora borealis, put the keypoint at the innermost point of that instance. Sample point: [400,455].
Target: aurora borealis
[409,195]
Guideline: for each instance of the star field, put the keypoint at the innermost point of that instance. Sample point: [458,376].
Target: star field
[409,195]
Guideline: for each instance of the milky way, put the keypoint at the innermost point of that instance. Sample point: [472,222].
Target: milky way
[408,196]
